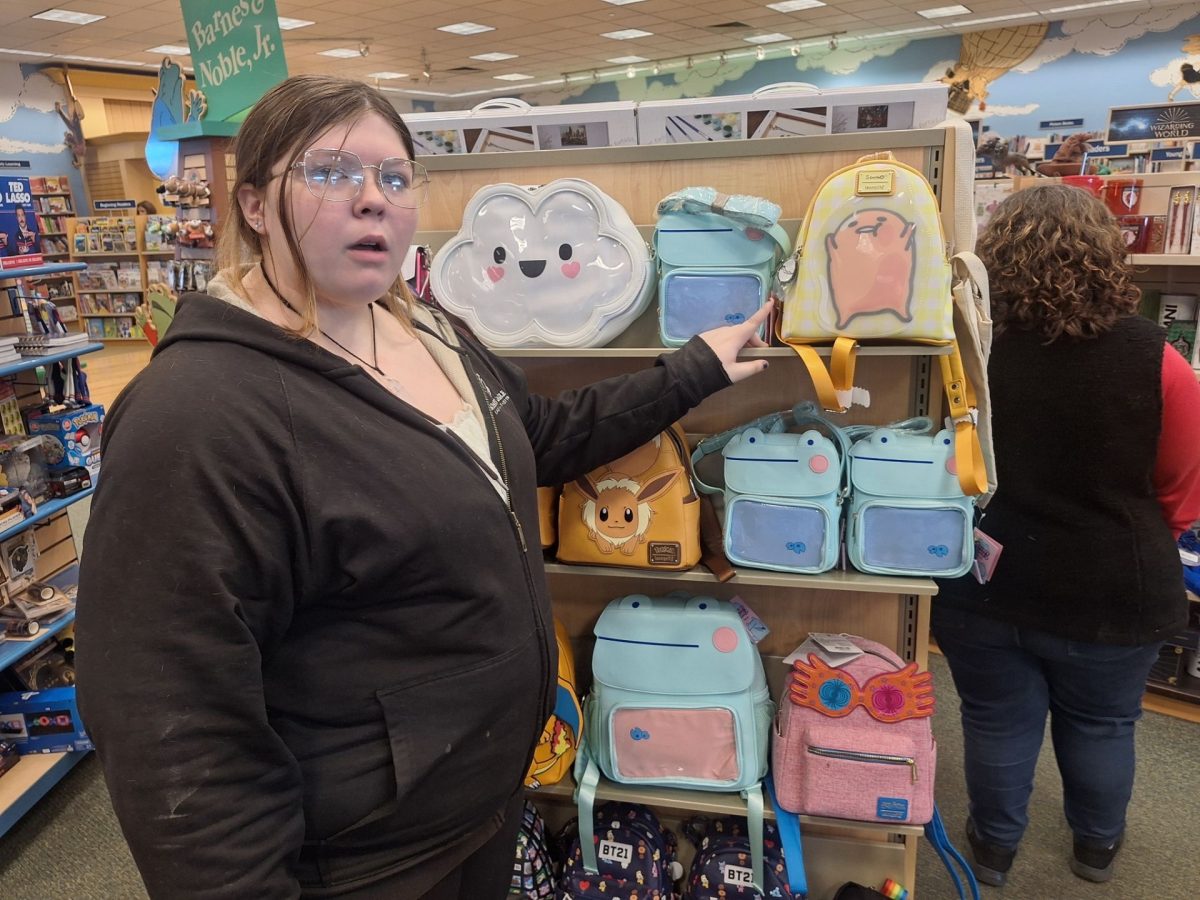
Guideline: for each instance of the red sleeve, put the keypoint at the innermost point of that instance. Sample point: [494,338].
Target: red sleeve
[1177,468]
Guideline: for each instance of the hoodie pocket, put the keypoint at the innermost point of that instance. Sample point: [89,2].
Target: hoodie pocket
[461,741]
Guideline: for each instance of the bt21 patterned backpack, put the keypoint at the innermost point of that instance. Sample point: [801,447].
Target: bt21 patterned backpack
[908,514]
[717,256]
[721,868]
[560,265]
[871,264]
[639,511]
[621,852]
[555,751]
[855,742]
[784,490]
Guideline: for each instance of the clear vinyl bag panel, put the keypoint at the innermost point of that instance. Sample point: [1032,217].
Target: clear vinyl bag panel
[780,535]
[926,539]
[653,744]
[695,300]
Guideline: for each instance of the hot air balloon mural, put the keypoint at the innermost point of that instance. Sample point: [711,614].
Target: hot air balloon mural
[985,56]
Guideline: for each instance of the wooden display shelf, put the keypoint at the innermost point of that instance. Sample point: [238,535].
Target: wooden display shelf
[748,353]
[112,291]
[716,803]
[107,253]
[1164,259]
[51,194]
[109,340]
[829,581]
[89,315]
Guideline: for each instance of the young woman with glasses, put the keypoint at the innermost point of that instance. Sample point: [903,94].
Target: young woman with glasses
[316,647]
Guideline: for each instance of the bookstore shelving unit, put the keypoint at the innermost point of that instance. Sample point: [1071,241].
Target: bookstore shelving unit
[36,773]
[120,265]
[53,207]
[893,611]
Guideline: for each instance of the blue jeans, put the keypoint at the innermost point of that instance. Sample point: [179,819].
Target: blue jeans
[1007,679]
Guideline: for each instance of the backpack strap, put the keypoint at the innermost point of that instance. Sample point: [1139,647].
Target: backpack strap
[835,385]
[968,452]
[754,819]
[585,796]
[935,832]
[788,824]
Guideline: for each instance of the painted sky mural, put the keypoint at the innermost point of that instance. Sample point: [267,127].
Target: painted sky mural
[30,128]
[1079,70]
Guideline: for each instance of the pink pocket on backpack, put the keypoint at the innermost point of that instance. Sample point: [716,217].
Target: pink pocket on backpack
[835,774]
[675,744]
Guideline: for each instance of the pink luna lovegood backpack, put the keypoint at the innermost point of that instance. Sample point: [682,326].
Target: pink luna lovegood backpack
[855,742]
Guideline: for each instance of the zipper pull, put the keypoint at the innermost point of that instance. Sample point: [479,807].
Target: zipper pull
[912,764]
[525,549]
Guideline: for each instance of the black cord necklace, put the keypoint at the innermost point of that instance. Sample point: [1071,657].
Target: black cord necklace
[374,346]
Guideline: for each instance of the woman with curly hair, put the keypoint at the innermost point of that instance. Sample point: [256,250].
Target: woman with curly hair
[1095,421]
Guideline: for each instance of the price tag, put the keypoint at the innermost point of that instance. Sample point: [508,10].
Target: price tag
[621,854]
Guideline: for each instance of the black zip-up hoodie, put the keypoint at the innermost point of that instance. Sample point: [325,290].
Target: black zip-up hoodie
[315,643]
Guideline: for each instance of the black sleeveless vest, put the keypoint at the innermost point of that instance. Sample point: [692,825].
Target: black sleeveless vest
[1087,554]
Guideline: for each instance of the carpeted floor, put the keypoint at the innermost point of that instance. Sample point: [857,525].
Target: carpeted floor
[69,844]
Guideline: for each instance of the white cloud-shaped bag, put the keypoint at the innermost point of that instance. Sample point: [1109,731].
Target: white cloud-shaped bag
[560,265]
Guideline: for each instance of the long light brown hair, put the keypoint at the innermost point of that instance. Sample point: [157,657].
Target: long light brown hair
[1056,263]
[281,126]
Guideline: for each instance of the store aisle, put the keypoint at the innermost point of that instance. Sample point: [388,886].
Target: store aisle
[70,846]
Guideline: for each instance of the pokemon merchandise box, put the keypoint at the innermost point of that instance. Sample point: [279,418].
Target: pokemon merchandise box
[506,124]
[43,721]
[791,109]
[73,437]
[560,265]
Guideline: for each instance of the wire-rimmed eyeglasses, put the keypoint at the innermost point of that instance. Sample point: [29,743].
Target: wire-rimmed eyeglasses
[338,175]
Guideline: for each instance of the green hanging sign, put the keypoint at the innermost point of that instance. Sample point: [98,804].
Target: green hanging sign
[237,56]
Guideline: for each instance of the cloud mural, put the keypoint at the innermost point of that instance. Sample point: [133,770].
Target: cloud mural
[1104,36]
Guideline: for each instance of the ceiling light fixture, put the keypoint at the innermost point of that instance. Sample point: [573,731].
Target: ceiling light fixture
[795,49]
[71,17]
[286,24]
[990,19]
[426,69]
[171,50]
[340,53]
[794,5]
[622,2]
[466,28]
[494,57]
[761,54]
[513,76]
[657,69]
[627,60]
[627,34]
[773,38]
[941,12]
[387,76]
[631,72]
[1078,6]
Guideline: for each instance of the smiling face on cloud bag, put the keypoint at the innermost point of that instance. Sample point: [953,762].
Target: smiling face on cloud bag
[560,265]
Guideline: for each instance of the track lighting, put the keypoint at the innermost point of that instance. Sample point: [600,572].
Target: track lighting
[760,53]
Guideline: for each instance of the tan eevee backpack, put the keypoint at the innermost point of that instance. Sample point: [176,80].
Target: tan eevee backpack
[639,511]
[871,265]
